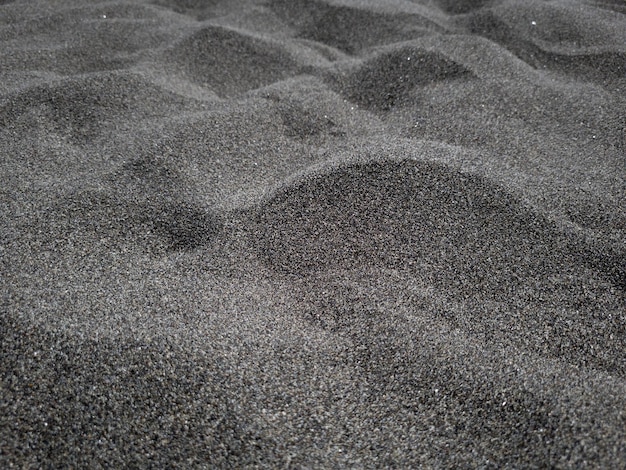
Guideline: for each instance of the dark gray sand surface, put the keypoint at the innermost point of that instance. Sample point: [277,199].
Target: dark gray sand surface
[313,234]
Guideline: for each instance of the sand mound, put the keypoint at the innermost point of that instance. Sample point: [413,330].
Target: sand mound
[81,108]
[350,28]
[252,62]
[395,212]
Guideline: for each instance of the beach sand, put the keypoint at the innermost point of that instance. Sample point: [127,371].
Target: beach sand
[313,234]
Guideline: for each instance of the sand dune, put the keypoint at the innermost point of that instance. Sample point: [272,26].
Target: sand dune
[313,233]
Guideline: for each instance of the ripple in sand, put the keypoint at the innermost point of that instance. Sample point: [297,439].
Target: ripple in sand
[387,80]
[231,62]
[341,27]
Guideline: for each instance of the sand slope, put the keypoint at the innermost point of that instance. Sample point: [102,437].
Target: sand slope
[313,234]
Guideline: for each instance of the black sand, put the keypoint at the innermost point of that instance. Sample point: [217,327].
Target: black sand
[313,234]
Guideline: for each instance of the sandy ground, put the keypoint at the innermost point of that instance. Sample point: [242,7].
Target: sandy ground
[313,234]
